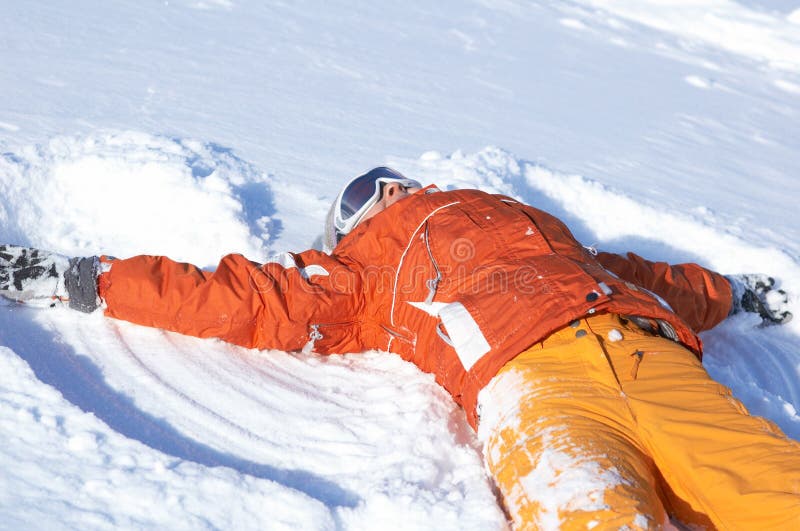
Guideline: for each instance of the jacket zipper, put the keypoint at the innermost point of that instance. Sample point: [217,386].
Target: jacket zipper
[315,333]
[403,255]
[432,283]
[397,335]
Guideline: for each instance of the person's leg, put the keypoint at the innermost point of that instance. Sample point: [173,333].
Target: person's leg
[559,443]
[720,464]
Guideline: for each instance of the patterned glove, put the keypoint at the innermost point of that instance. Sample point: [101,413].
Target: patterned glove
[756,293]
[42,278]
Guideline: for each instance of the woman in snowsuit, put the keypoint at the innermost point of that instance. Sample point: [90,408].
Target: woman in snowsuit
[580,370]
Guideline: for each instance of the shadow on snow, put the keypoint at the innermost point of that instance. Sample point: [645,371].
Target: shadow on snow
[81,382]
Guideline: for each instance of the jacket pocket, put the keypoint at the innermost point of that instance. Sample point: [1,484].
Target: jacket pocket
[334,337]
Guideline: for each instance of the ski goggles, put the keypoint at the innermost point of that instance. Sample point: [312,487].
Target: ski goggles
[362,193]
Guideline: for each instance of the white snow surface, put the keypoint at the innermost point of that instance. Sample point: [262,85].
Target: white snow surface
[772,38]
[196,128]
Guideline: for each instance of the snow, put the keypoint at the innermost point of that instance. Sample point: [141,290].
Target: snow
[196,128]
[64,468]
[564,478]
[729,25]
[111,190]
[562,481]
[615,335]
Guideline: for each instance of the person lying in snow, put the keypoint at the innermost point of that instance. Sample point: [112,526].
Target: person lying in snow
[567,361]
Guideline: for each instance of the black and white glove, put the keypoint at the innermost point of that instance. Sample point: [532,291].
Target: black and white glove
[43,278]
[756,293]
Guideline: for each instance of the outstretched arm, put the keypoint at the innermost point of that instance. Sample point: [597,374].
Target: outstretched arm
[274,305]
[283,304]
[699,296]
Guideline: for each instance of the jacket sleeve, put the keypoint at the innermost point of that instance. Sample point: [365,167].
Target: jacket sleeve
[702,298]
[272,305]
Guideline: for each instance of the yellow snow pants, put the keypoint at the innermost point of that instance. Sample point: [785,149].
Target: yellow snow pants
[605,426]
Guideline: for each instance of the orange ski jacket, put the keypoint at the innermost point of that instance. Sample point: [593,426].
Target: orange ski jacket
[458,282]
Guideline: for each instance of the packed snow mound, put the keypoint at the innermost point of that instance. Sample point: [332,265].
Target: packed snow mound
[125,193]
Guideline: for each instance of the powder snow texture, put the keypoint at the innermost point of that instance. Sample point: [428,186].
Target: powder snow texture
[87,476]
[195,128]
[762,36]
[110,192]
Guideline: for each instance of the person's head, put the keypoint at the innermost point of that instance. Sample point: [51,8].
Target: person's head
[364,197]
